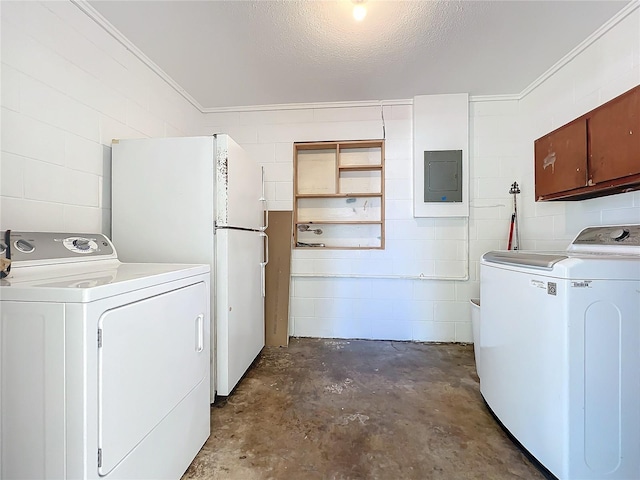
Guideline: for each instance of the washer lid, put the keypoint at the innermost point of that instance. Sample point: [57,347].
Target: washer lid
[544,261]
[87,282]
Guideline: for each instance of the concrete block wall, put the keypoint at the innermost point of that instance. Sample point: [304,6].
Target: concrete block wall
[407,291]
[68,89]
[605,69]
[360,304]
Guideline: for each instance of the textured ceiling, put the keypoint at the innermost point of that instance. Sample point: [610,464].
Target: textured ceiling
[242,53]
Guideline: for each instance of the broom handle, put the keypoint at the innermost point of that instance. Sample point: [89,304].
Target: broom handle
[511,231]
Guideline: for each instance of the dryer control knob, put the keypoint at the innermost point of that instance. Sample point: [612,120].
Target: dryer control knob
[24,246]
[619,234]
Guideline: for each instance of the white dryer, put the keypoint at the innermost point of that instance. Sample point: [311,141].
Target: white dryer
[105,365]
[560,352]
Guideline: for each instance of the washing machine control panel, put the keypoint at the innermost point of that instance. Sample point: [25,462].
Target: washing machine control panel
[47,247]
[624,238]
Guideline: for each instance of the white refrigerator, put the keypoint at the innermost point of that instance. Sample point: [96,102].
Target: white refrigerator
[199,200]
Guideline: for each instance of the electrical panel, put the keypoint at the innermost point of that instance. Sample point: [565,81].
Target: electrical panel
[443,176]
[441,155]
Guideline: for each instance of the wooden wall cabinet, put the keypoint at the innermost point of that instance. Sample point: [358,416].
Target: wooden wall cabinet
[339,194]
[596,154]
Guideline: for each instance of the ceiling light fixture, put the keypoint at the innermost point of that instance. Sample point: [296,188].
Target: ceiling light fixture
[359,10]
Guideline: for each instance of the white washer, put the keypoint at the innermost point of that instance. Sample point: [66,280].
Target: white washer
[560,352]
[105,365]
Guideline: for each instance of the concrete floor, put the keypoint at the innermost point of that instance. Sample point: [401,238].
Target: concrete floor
[357,409]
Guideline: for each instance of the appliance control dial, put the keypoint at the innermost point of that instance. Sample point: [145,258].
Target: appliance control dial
[619,234]
[3,247]
[24,246]
[80,245]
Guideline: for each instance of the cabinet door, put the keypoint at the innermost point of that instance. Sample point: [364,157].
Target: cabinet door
[561,159]
[614,136]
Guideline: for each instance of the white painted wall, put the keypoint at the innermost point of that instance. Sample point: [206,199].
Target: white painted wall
[370,293]
[502,134]
[608,67]
[68,89]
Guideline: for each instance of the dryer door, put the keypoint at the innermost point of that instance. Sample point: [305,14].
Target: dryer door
[153,353]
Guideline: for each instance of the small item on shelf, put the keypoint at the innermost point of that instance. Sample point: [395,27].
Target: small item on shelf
[302,244]
[306,228]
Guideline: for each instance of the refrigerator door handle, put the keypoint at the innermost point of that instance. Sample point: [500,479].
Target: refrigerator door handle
[266,248]
[265,208]
[266,215]
[263,265]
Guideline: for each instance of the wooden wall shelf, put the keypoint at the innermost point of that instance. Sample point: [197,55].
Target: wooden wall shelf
[340,186]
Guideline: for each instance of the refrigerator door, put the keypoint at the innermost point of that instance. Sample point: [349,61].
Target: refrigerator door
[239,304]
[240,198]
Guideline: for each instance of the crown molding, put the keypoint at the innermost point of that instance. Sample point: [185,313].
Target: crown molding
[317,105]
[92,13]
[587,42]
[103,23]
[494,98]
